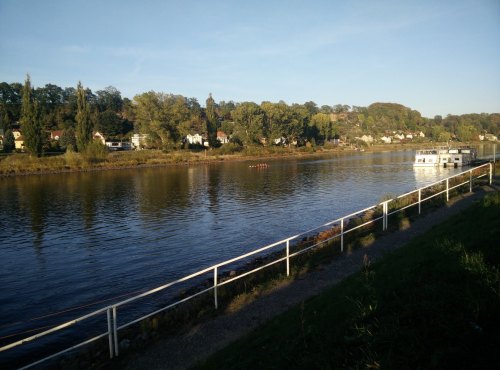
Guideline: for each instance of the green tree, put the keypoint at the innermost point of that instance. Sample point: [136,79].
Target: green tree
[68,139]
[444,136]
[5,123]
[299,121]
[211,121]
[163,117]
[277,118]
[84,125]
[109,99]
[109,123]
[466,132]
[30,121]
[249,122]
[322,122]
[8,141]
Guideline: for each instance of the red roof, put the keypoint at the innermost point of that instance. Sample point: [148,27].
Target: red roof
[56,134]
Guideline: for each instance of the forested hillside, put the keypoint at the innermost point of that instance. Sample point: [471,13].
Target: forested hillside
[168,118]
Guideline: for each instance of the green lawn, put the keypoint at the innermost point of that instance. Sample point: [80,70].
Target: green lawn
[433,304]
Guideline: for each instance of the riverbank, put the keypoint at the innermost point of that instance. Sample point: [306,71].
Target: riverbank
[432,304]
[22,164]
[297,338]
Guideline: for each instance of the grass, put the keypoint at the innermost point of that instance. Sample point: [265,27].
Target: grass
[434,303]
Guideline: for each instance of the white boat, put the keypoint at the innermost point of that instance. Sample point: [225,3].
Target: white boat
[445,157]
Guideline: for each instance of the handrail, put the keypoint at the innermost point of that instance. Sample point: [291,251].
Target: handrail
[111,309]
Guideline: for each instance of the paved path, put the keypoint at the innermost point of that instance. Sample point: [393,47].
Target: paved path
[184,350]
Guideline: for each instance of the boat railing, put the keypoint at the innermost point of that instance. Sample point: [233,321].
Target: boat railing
[339,228]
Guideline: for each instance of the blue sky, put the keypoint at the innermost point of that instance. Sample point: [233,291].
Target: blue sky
[438,57]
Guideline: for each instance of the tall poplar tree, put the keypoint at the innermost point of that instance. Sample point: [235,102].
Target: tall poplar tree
[31,124]
[84,124]
[211,121]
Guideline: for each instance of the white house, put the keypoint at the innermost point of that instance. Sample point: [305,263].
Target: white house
[366,138]
[194,139]
[386,139]
[280,141]
[399,136]
[409,136]
[222,137]
[99,137]
[139,141]
[490,137]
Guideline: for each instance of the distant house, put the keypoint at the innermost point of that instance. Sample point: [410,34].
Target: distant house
[139,141]
[280,141]
[222,137]
[366,138]
[16,134]
[490,137]
[399,136]
[480,137]
[56,135]
[19,143]
[194,139]
[421,134]
[99,137]
[409,136]
[386,139]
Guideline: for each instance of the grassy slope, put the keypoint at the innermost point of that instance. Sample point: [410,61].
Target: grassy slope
[434,303]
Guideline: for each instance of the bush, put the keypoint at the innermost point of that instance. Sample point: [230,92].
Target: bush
[95,152]
[71,158]
[229,148]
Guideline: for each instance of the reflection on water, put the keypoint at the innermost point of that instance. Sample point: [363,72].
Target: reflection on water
[75,238]
[427,175]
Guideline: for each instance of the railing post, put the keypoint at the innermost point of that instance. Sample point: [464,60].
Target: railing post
[215,288]
[470,181]
[491,173]
[419,201]
[342,235]
[110,332]
[115,330]
[384,219]
[447,189]
[288,257]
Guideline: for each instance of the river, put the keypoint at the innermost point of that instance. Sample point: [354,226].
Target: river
[68,240]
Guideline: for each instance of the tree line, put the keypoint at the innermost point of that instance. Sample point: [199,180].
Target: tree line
[168,118]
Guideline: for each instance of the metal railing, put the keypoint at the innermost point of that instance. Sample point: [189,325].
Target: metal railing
[341,225]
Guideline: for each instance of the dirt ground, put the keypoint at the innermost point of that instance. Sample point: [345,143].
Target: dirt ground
[184,350]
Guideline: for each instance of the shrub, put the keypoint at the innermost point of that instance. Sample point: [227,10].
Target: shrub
[229,148]
[95,152]
[71,158]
